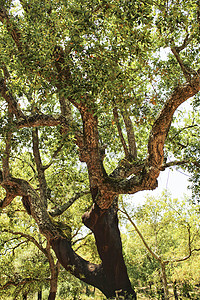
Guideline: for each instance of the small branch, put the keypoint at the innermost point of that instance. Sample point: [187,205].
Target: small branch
[17,246]
[182,129]
[10,99]
[29,238]
[6,155]
[80,246]
[185,70]
[189,250]
[174,163]
[25,162]
[53,157]
[116,118]
[185,43]
[179,163]
[40,169]
[22,282]
[176,50]
[81,239]
[60,210]
[140,235]
[130,134]
[195,250]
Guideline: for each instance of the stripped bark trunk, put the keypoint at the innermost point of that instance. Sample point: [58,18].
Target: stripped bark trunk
[104,225]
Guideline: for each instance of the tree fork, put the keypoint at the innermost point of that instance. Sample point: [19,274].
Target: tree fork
[104,225]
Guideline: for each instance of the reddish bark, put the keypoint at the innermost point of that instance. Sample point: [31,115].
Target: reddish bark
[52,296]
[104,225]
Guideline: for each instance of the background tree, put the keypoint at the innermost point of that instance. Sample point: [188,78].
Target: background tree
[167,234]
[27,264]
[87,96]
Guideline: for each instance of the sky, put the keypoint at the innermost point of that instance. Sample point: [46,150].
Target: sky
[172,180]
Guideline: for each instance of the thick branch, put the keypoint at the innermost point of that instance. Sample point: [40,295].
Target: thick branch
[198,14]
[127,168]
[147,172]
[38,120]
[91,154]
[90,273]
[104,225]
[162,124]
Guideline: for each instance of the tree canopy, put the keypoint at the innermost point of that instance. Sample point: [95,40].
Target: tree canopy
[90,94]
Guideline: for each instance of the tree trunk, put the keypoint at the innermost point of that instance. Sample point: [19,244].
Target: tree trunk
[24,296]
[53,284]
[104,225]
[40,295]
[164,281]
[175,290]
[111,276]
